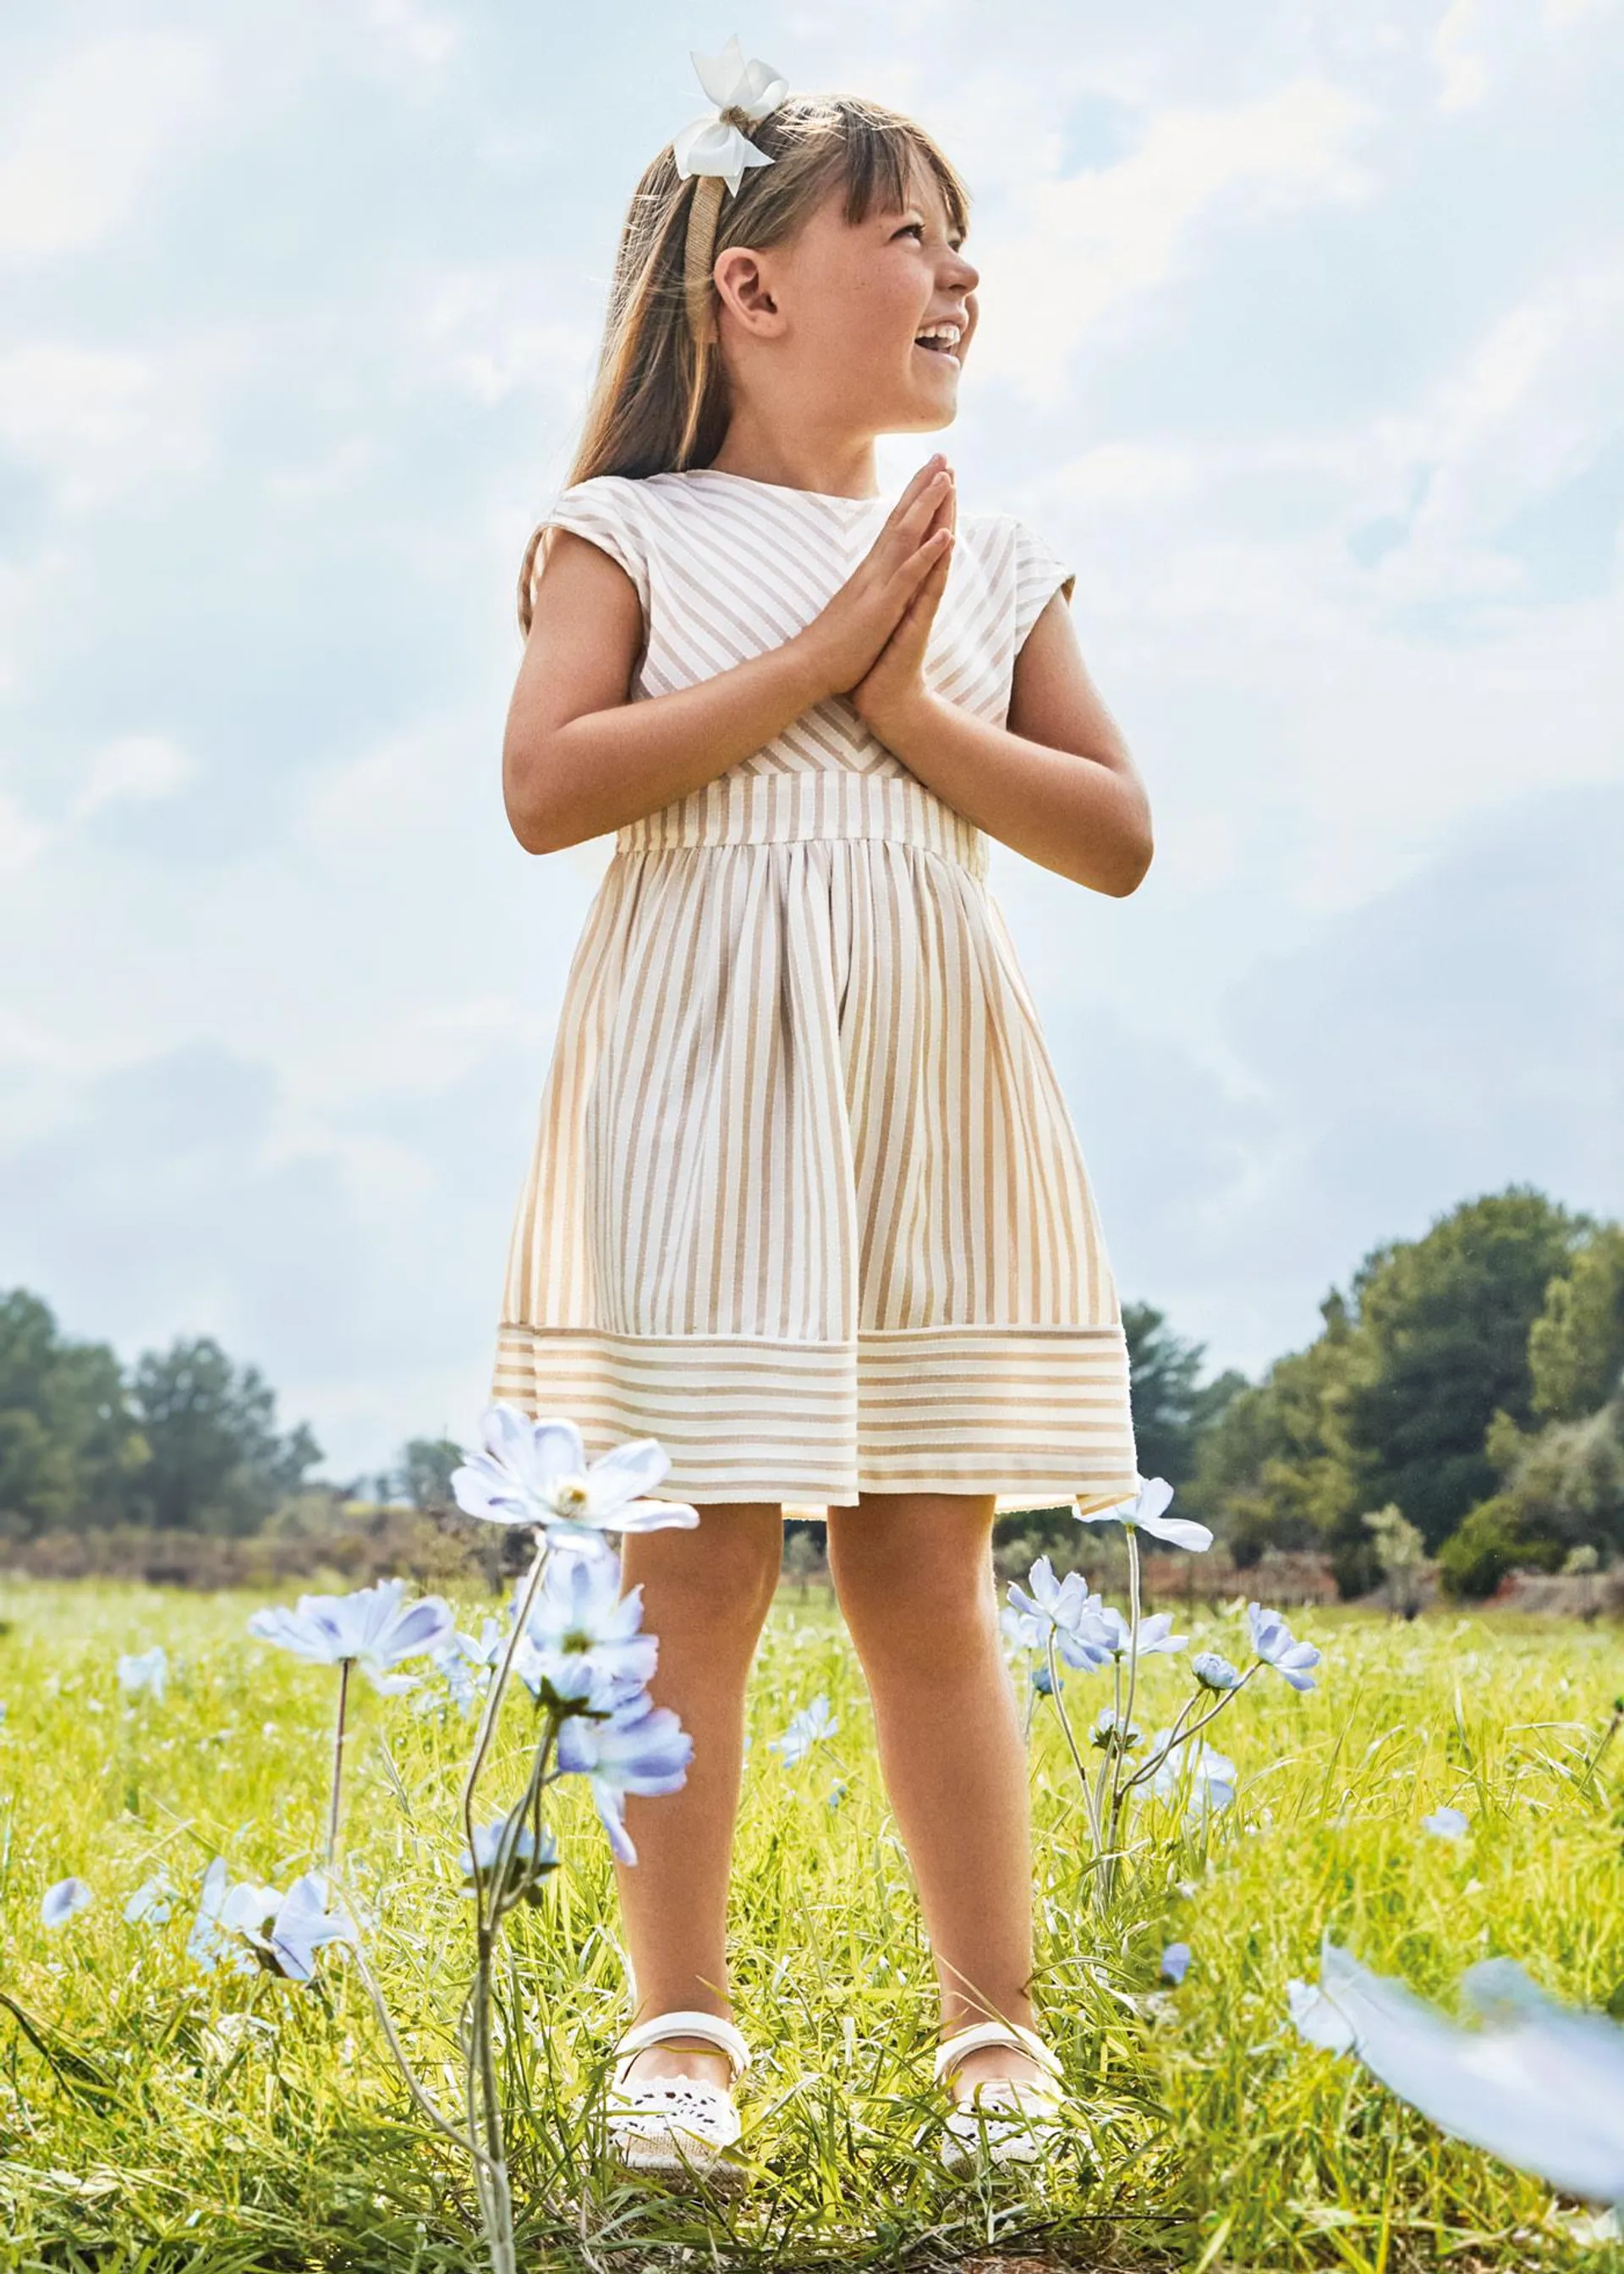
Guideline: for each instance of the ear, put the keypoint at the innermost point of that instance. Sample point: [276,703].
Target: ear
[743,289]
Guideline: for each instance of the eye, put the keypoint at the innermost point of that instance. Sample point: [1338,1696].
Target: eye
[919,225]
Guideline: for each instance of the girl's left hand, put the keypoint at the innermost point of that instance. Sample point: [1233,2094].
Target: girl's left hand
[895,681]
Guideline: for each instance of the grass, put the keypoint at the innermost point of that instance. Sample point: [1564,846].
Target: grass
[155,2119]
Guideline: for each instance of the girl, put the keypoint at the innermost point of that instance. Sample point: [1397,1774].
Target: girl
[806,1204]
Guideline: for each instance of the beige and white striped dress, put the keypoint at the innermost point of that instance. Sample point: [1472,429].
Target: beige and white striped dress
[806,1203]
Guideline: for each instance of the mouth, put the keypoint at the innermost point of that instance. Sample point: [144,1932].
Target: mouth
[942,344]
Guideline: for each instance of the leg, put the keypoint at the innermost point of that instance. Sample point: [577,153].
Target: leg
[705,1595]
[914,1577]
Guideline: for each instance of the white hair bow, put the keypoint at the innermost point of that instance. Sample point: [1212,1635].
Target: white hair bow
[713,145]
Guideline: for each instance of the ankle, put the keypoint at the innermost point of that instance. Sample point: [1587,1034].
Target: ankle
[679,2057]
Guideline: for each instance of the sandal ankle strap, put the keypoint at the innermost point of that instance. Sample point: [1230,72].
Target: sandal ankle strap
[1014,2035]
[716,2029]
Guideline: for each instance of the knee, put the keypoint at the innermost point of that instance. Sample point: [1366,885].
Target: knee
[718,1579]
[927,1623]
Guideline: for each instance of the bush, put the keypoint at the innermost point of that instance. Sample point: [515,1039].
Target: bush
[1491,1541]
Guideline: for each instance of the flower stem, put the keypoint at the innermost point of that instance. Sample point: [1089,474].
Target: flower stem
[1066,1723]
[338,1762]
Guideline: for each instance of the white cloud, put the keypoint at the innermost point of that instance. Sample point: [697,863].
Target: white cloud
[101,422]
[82,145]
[22,838]
[1068,252]
[1464,73]
[136,767]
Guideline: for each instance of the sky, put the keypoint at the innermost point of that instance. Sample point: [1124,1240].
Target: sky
[1301,339]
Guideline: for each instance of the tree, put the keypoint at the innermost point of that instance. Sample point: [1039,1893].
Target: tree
[1443,1326]
[1575,1347]
[218,1463]
[69,1443]
[1172,1407]
[1402,1553]
[1274,1471]
[422,1473]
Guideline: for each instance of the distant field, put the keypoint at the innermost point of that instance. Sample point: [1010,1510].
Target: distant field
[155,2118]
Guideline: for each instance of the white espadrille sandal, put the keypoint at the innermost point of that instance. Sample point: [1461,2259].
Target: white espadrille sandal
[676,2128]
[1009,2122]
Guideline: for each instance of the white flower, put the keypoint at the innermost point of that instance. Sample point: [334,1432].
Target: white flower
[64,1902]
[1064,1607]
[1541,2086]
[1144,1513]
[369,1629]
[1446,1824]
[148,1671]
[1176,1962]
[537,1472]
[1214,1672]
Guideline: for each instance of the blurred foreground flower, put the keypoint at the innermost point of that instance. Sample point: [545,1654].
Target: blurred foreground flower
[1175,1963]
[537,1472]
[371,1628]
[1539,2085]
[1446,1824]
[148,1670]
[1146,1512]
[64,1902]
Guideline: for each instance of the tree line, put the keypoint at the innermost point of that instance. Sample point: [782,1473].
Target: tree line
[1465,1394]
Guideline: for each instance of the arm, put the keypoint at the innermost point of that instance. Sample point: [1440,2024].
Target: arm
[1058,784]
[580,758]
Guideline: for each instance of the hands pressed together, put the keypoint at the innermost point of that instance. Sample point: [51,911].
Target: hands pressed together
[871,640]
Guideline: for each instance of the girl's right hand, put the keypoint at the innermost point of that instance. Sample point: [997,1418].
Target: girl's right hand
[844,637]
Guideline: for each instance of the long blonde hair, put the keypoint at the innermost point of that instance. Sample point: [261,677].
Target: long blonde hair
[659,403]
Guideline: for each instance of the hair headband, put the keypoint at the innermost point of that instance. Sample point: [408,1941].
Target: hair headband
[718,148]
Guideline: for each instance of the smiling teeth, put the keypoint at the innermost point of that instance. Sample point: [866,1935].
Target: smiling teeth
[948,332]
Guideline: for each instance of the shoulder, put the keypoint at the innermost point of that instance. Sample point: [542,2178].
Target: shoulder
[609,510]
[1020,564]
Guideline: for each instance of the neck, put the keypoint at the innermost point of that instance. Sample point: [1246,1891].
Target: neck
[834,468]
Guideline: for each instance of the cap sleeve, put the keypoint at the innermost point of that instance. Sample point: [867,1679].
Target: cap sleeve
[602,509]
[1040,573]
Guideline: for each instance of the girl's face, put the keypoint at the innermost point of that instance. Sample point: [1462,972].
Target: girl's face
[830,324]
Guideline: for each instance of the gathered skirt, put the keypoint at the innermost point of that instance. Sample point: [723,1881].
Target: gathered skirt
[806,1203]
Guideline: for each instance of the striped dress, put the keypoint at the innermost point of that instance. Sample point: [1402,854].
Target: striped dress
[806,1203]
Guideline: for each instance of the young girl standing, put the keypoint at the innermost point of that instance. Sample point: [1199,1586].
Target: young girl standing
[806,1203]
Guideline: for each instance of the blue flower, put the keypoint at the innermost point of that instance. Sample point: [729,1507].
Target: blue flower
[1214,1672]
[1446,1824]
[1155,1635]
[227,1915]
[152,1903]
[1042,1682]
[1212,1775]
[147,1671]
[1113,1732]
[640,1748]
[537,1472]
[813,1722]
[582,1638]
[1541,2086]
[1144,1513]
[1063,1608]
[1272,1639]
[302,1924]
[63,1902]
[1176,1962]
[369,1629]
[487,1840]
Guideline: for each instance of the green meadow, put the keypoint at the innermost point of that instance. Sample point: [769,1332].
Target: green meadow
[155,2117]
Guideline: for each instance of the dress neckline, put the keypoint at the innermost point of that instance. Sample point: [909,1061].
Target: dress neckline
[786,489]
